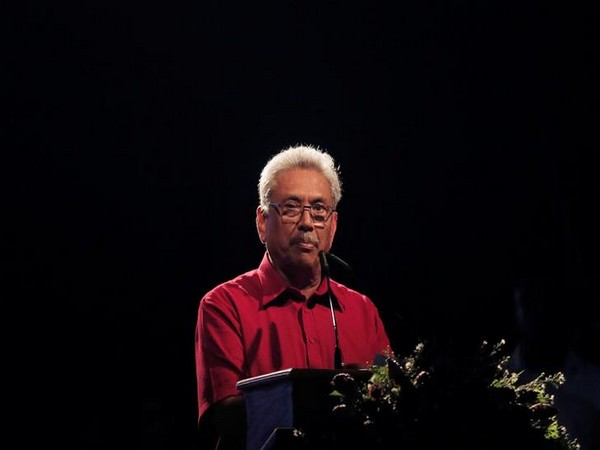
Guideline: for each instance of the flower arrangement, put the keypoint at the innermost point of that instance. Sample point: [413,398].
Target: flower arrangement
[437,400]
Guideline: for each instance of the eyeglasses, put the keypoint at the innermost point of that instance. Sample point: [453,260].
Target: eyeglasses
[291,211]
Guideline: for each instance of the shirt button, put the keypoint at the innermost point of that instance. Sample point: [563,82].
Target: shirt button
[312,340]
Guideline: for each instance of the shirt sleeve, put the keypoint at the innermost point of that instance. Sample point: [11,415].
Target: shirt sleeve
[218,349]
[383,340]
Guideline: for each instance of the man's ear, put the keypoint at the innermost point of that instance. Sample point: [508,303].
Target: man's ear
[261,224]
[333,219]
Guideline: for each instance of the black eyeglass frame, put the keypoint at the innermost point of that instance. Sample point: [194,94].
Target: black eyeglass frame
[297,211]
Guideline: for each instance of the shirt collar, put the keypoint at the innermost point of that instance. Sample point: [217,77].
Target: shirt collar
[274,285]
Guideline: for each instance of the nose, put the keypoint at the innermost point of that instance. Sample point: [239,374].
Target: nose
[303,217]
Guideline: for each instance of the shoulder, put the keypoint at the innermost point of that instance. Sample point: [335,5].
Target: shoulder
[242,285]
[346,290]
[350,297]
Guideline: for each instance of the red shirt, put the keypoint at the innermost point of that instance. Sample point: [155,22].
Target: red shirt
[256,324]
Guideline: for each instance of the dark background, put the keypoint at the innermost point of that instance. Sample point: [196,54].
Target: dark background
[135,134]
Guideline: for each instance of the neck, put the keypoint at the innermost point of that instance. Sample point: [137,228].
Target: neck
[304,278]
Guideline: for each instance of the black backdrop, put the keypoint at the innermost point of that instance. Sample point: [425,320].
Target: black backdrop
[136,132]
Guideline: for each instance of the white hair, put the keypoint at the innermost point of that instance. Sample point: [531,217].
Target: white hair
[304,157]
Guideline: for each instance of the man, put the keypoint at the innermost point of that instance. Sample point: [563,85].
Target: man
[278,315]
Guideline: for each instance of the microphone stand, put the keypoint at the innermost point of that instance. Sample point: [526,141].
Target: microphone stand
[337,355]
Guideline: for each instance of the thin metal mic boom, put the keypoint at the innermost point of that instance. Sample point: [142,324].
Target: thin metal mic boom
[337,356]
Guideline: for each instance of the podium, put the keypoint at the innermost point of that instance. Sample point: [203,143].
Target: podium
[278,403]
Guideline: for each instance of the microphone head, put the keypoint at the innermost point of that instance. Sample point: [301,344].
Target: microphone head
[340,261]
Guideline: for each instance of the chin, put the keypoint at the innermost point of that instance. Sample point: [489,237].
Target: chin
[306,258]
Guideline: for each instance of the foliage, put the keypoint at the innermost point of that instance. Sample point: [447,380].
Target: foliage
[434,400]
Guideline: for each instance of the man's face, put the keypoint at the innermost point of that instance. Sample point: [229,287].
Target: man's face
[296,241]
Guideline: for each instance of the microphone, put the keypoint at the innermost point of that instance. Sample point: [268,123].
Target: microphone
[337,355]
[340,261]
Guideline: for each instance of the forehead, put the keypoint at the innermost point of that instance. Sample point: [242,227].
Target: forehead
[302,183]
